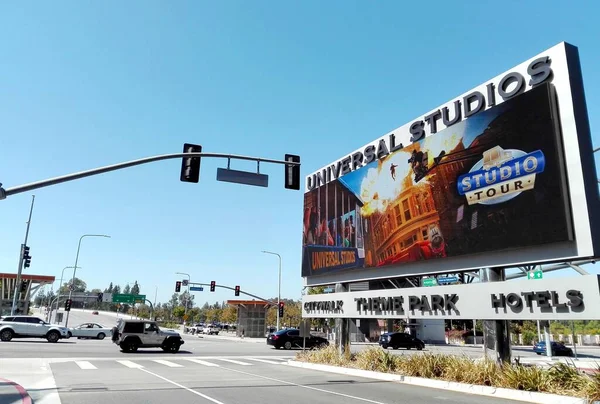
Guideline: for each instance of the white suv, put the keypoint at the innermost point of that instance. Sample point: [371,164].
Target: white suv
[30,327]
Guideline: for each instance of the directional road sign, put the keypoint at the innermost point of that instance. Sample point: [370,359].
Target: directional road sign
[429,282]
[128,298]
[537,274]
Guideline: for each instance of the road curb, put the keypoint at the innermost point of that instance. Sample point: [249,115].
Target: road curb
[498,392]
[25,398]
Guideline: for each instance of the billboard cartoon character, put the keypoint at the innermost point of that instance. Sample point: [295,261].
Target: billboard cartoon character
[393,171]
[418,162]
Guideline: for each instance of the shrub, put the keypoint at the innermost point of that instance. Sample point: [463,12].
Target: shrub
[558,379]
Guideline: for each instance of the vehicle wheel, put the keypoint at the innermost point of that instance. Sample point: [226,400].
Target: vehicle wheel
[384,346]
[323,345]
[6,335]
[173,347]
[69,335]
[420,348]
[408,348]
[129,346]
[287,345]
[53,336]
[101,335]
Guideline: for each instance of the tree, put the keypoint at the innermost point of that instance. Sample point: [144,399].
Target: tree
[80,286]
[229,314]
[135,290]
[127,289]
[173,301]
[109,289]
[116,290]
[178,312]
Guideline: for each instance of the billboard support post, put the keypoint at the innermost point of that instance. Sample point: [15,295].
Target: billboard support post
[496,339]
[342,325]
[547,339]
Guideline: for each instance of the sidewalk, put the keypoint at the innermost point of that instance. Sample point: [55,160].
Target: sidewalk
[11,392]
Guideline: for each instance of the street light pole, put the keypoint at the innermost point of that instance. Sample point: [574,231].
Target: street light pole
[75,268]
[187,296]
[279,286]
[58,293]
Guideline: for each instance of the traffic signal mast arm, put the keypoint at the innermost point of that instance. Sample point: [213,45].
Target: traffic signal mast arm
[241,291]
[82,174]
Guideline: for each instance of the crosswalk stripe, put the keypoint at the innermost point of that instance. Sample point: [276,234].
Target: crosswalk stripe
[202,362]
[130,364]
[236,362]
[167,363]
[265,361]
[85,365]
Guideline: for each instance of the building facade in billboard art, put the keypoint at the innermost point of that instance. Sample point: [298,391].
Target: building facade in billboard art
[489,183]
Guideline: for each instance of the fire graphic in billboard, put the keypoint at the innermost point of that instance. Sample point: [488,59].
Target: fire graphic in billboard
[492,182]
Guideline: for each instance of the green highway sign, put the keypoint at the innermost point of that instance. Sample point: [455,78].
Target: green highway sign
[122,298]
[429,282]
[537,274]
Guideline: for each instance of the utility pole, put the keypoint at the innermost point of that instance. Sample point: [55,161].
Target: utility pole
[18,284]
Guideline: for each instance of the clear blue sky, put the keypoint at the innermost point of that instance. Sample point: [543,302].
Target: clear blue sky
[84,84]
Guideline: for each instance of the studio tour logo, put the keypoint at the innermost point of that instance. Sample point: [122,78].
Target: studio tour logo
[501,175]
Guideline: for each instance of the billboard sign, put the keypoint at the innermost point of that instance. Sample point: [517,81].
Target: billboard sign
[501,176]
[547,299]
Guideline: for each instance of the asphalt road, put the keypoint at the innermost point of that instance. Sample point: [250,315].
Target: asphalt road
[234,380]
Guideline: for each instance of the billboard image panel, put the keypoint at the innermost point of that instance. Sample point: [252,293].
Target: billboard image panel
[493,182]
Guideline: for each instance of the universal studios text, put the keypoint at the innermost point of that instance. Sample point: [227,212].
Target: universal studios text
[508,86]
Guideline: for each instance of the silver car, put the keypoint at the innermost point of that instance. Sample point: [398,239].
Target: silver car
[90,330]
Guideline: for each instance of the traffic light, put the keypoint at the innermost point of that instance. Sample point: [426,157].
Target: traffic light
[178,286]
[292,172]
[213,284]
[237,290]
[23,286]
[190,166]
[100,296]
[281,304]
[26,257]
[68,304]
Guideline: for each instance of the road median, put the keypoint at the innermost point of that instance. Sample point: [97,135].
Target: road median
[497,392]
[559,383]
[12,392]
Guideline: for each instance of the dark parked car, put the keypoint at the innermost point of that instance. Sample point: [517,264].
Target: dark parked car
[291,338]
[558,349]
[400,340]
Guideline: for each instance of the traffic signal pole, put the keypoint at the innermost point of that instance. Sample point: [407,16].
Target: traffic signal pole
[18,283]
[230,288]
[4,193]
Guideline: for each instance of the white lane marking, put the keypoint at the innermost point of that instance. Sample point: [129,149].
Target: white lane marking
[335,393]
[202,362]
[85,365]
[236,362]
[264,361]
[183,387]
[167,363]
[130,364]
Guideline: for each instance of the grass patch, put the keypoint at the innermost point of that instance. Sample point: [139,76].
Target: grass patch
[561,378]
